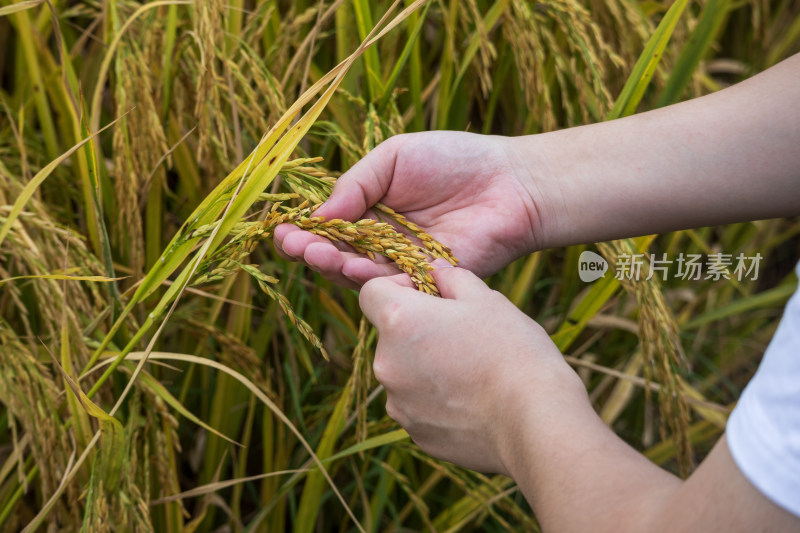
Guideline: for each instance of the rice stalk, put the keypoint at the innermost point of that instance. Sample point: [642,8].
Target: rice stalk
[139,140]
[663,353]
[29,392]
[581,51]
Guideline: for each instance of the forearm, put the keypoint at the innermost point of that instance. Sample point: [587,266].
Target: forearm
[575,472]
[579,476]
[727,157]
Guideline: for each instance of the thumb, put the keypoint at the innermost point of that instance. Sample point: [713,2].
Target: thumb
[379,296]
[363,185]
[457,283]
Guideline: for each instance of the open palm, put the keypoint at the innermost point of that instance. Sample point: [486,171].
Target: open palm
[461,188]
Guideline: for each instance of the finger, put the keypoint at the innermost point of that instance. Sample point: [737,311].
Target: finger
[278,236]
[280,251]
[386,300]
[328,261]
[298,243]
[317,253]
[364,184]
[360,270]
[336,265]
[294,241]
[458,283]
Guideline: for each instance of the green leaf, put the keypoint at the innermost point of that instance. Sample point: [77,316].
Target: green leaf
[491,18]
[19,6]
[311,500]
[112,434]
[646,65]
[370,443]
[161,391]
[767,299]
[38,179]
[704,34]
[591,303]
[60,277]
[400,63]
[363,15]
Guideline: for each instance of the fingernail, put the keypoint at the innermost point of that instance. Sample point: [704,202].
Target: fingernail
[313,266]
[441,263]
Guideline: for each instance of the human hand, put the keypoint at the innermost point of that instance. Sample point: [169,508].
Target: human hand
[468,191]
[461,372]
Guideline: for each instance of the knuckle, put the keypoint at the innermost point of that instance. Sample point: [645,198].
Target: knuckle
[381,367]
[393,316]
[386,315]
[369,292]
[395,413]
[394,142]
[497,297]
[426,442]
[423,443]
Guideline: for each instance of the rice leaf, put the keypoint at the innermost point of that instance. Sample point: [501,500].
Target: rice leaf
[63,277]
[161,391]
[111,431]
[645,67]
[591,303]
[704,34]
[368,444]
[263,398]
[400,64]
[19,6]
[766,299]
[38,179]
[312,491]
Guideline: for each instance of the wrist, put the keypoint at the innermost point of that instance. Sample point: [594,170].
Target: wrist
[539,169]
[538,403]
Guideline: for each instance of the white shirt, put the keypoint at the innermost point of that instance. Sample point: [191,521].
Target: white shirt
[763,432]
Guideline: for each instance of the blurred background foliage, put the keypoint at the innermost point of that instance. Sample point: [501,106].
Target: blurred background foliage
[193,85]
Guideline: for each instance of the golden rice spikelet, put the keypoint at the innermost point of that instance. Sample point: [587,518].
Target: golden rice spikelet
[433,247]
[370,237]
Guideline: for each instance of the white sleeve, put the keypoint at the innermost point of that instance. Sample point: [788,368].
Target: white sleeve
[763,432]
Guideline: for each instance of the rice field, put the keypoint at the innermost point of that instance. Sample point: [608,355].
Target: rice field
[163,369]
